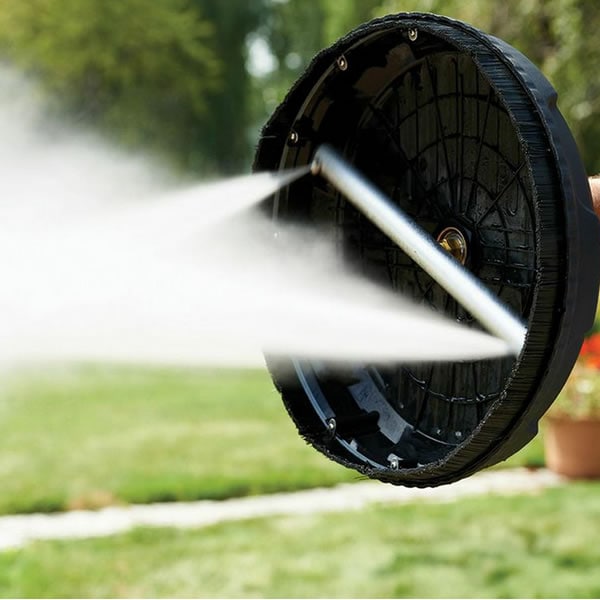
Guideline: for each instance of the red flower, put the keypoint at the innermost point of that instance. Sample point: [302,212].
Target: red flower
[590,351]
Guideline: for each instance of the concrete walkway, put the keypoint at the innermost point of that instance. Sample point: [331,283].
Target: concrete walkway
[16,531]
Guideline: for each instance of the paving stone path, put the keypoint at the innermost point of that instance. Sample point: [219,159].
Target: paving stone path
[18,530]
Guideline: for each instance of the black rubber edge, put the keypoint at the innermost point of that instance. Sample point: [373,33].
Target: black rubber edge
[538,379]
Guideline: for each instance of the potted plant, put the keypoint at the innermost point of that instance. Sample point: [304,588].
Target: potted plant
[572,425]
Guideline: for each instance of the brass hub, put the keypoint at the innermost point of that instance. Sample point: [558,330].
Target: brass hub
[454,242]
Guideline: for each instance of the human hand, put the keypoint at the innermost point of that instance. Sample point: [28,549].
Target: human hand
[595,189]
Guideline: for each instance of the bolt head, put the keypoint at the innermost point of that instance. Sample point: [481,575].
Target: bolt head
[342,63]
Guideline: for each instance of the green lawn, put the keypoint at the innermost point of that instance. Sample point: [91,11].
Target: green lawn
[88,437]
[92,436]
[490,547]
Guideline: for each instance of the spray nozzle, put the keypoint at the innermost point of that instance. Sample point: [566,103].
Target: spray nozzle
[315,165]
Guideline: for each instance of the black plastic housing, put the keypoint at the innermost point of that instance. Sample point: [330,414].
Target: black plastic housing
[461,130]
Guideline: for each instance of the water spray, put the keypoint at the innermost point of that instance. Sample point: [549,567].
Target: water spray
[444,172]
[106,260]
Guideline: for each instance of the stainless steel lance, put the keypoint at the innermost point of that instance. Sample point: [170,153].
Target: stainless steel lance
[420,247]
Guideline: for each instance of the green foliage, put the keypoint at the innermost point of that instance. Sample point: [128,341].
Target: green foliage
[341,16]
[170,75]
[293,33]
[141,70]
[222,141]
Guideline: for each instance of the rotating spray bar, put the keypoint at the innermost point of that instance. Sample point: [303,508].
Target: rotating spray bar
[421,248]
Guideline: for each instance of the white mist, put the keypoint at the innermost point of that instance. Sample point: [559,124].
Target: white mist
[103,258]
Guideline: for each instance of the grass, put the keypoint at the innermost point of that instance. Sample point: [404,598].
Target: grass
[93,436]
[493,547]
[88,437]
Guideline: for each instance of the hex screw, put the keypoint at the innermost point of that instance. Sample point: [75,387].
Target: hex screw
[342,63]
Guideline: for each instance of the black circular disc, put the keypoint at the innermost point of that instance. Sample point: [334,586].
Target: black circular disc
[463,133]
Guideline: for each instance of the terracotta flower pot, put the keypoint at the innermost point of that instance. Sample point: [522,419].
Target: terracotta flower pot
[572,447]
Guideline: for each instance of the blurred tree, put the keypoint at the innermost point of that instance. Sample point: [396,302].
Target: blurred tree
[181,77]
[142,70]
[149,71]
[344,15]
[559,36]
[292,34]
[223,140]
